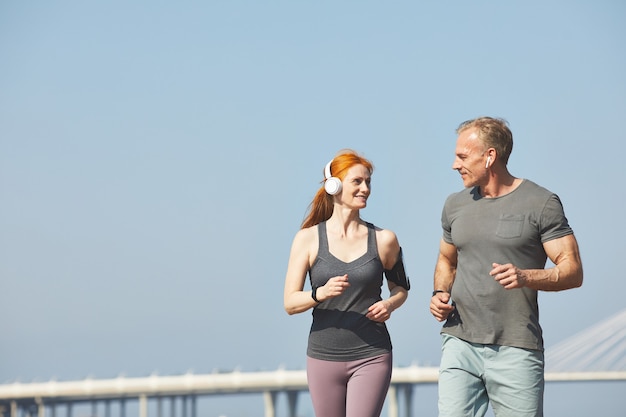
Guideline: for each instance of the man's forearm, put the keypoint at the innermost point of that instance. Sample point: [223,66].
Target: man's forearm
[561,277]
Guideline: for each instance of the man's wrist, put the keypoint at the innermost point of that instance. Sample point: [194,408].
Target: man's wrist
[438,291]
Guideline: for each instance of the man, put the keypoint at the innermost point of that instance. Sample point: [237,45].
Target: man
[497,235]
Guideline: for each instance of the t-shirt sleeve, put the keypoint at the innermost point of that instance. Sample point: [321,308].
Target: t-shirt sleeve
[553,221]
[446,226]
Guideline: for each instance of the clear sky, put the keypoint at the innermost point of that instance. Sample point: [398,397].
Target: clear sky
[156,159]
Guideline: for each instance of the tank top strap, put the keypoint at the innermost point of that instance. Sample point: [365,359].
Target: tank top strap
[372,245]
[323,239]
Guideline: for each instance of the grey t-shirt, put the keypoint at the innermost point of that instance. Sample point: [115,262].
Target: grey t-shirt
[340,331]
[508,229]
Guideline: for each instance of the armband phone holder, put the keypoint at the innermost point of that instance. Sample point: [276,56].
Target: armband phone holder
[397,274]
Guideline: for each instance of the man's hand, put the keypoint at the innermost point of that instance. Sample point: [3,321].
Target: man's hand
[440,307]
[508,275]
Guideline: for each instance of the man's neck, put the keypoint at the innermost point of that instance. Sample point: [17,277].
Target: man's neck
[500,185]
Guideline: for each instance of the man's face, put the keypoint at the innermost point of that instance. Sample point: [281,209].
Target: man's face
[470,159]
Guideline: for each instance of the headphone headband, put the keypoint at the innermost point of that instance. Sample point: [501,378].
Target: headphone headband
[327,170]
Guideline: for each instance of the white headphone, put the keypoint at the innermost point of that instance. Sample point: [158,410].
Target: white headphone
[488,160]
[332,185]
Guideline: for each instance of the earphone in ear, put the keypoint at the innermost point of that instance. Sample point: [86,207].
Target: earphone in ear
[332,185]
[488,161]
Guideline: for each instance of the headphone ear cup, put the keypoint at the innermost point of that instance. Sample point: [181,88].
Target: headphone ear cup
[332,185]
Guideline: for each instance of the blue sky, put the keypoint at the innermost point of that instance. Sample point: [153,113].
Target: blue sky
[156,159]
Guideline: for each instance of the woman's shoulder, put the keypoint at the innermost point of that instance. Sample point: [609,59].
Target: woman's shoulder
[305,243]
[384,236]
[388,246]
[307,234]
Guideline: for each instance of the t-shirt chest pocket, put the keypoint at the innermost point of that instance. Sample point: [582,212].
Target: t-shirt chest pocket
[510,225]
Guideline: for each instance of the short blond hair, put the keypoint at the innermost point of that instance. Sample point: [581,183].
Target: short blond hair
[493,132]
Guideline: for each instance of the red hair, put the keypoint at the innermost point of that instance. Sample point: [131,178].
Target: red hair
[321,208]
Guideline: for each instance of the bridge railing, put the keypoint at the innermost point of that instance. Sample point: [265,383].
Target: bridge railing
[35,397]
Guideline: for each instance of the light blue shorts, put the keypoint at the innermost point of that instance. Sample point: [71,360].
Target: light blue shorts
[471,375]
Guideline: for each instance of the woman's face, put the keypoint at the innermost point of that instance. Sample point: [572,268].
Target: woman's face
[356,186]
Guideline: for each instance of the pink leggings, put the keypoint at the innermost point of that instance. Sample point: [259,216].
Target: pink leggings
[349,389]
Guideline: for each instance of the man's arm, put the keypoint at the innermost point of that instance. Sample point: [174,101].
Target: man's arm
[445,272]
[567,271]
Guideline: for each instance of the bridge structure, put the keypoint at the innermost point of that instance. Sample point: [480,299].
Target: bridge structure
[596,354]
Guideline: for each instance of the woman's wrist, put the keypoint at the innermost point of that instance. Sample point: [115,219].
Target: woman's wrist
[314,295]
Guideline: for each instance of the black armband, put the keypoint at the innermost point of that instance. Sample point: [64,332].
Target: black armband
[397,275]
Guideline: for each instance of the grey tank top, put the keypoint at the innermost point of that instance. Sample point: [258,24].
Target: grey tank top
[340,330]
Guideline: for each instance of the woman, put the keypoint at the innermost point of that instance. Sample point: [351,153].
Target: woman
[349,357]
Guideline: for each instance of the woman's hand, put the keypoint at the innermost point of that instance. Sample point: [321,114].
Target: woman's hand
[334,287]
[380,312]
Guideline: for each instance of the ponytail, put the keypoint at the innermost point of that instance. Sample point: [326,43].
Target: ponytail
[320,209]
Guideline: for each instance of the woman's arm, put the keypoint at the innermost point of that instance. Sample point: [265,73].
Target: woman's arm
[389,252]
[295,299]
[303,252]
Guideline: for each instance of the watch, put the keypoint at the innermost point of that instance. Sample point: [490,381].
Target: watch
[314,295]
[437,291]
